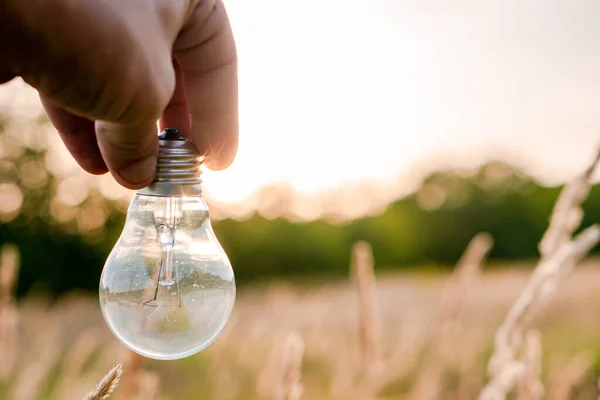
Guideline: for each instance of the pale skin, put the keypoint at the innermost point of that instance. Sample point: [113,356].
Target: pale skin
[108,70]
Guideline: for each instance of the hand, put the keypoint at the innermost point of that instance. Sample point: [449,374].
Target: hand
[107,70]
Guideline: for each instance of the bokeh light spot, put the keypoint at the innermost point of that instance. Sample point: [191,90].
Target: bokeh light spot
[11,200]
[33,174]
[72,191]
[431,197]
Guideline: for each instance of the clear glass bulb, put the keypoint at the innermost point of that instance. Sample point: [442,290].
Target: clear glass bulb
[167,288]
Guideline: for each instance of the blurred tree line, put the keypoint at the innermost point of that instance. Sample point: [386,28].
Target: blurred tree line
[65,236]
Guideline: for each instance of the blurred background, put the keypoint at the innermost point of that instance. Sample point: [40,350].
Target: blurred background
[410,125]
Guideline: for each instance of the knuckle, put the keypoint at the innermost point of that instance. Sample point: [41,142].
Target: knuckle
[148,94]
[126,142]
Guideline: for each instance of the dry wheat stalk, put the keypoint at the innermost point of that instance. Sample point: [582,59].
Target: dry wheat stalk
[368,324]
[428,383]
[509,335]
[84,346]
[46,352]
[266,377]
[8,339]
[564,220]
[107,385]
[572,376]
[9,266]
[531,386]
[567,213]
[149,386]
[466,271]
[343,366]
[502,383]
[134,365]
[470,380]
[559,254]
[288,385]
[403,358]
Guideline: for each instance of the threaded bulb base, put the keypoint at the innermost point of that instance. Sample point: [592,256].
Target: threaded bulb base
[177,168]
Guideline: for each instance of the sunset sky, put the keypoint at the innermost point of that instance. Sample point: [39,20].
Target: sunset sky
[337,92]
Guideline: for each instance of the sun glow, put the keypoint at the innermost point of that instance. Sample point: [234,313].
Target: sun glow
[342,100]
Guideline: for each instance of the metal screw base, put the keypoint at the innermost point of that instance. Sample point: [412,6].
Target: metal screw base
[178,167]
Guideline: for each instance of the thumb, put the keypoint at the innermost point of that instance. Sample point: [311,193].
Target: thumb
[129,143]
[129,151]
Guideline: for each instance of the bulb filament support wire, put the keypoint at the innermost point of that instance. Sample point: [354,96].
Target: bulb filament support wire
[167,216]
[177,174]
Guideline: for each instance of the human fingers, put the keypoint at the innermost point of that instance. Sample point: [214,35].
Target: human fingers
[176,114]
[205,50]
[106,61]
[78,136]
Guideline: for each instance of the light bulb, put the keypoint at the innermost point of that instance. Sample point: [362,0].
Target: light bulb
[167,288]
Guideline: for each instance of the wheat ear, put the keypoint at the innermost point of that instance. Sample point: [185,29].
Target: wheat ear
[559,254]
[289,387]
[107,385]
[81,352]
[149,386]
[130,387]
[571,376]
[503,382]
[9,268]
[531,386]
[363,276]
[467,269]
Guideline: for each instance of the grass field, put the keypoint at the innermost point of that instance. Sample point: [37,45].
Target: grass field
[64,349]
[489,334]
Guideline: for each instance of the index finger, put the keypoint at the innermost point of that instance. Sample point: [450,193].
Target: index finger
[206,52]
[176,114]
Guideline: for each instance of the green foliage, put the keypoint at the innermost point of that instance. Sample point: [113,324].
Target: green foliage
[515,211]
[429,227]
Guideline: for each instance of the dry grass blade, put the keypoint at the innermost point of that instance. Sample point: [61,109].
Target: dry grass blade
[363,276]
[559,254]
[571,376]
[9,267]
[531,386]
[289,386]
[149,386]
[267,377]
[509,334]
[81,352]
[31,376]
[8,339]
[466,271]
[567,214]
[498,388]
[107,385]
[134,364]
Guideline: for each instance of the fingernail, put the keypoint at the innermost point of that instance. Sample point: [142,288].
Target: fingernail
[140,171]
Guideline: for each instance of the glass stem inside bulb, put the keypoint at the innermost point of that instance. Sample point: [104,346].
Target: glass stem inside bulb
[166,266]
[167,216]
